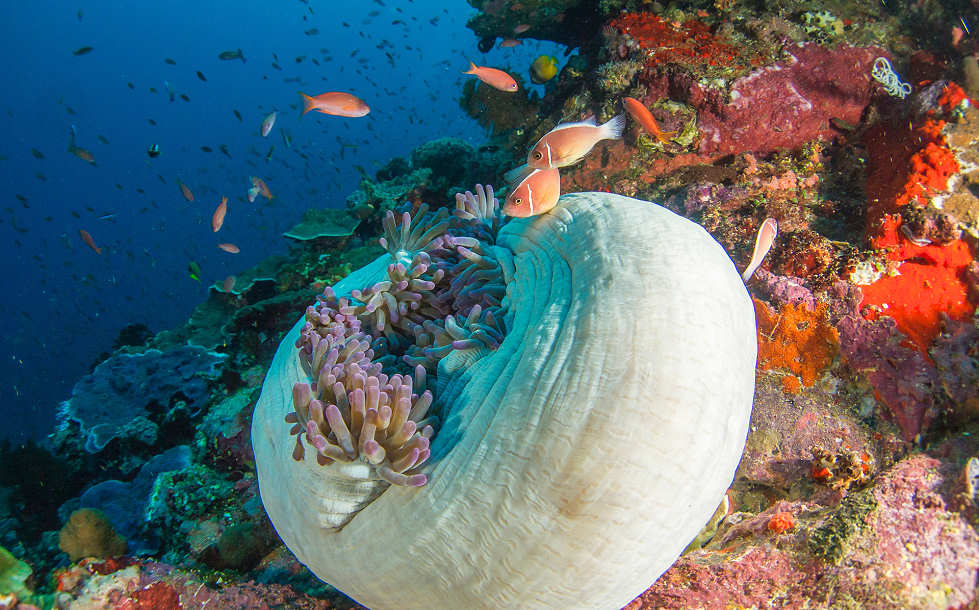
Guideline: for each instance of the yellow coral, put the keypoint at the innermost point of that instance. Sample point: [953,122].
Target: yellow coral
[88,533]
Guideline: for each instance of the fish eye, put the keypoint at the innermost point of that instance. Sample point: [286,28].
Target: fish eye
[518,201]
[538,155]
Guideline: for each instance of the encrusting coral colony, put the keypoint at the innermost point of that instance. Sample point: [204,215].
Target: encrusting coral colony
[587,407]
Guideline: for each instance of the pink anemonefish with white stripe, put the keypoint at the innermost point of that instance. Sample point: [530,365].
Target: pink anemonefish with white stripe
[535,192]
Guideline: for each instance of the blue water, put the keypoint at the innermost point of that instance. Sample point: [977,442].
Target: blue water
[65,304]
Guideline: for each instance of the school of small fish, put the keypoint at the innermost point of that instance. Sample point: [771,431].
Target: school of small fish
[534,187]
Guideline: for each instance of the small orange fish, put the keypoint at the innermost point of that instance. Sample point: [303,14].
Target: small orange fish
[498,79]
[82,154]
[520,29]
[644,117]
[763,243]
[218,218]
[535,192]
[508,43]
[261,186]
[88,240]
[335,103]
[229,283]
[568,143]
[189,196]
[78,151]
[229,248]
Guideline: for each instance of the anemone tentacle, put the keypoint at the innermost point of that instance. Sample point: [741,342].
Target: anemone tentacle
[442,293]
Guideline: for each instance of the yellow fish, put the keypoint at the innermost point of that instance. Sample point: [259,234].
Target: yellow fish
[543,69]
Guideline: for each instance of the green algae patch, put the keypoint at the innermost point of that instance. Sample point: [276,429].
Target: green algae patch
[13,575]
[829,540]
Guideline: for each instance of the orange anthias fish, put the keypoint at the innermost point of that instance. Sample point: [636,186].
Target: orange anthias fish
[88,240]
[568,143]
[336,103]
[78,151]
[185,190]
[217,219]
[229,248]
[763,243]
[535,192]
[82,154]
[638,111]
[498,79]
[259,184]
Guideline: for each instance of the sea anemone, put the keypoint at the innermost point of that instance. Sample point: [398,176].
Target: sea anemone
[573,390]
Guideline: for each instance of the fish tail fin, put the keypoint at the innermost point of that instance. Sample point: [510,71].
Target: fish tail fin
[612,130]
[241,56]
[472,67]
[308,102]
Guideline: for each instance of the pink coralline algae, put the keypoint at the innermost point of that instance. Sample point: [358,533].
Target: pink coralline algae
[778,107]
[934,551]
[902,378]
[895,545]
[783,290]
[956,356]
[778,458]
[158,586]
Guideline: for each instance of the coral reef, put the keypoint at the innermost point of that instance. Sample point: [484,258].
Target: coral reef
[564,21]
[798,339]
[858,482]
[323,223]
[130,396]
[14,577]
[160,586]
[499,111]
[448,158]
[792,94]
[896,545]
[388,193]
[89,534]
[125,503]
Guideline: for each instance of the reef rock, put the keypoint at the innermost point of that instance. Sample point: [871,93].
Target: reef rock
[575,461]
[116,399]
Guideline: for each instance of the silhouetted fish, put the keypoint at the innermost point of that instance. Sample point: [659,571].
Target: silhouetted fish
[229,55]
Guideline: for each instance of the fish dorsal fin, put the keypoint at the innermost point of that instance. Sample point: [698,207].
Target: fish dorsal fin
[588,122]
[518,174]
